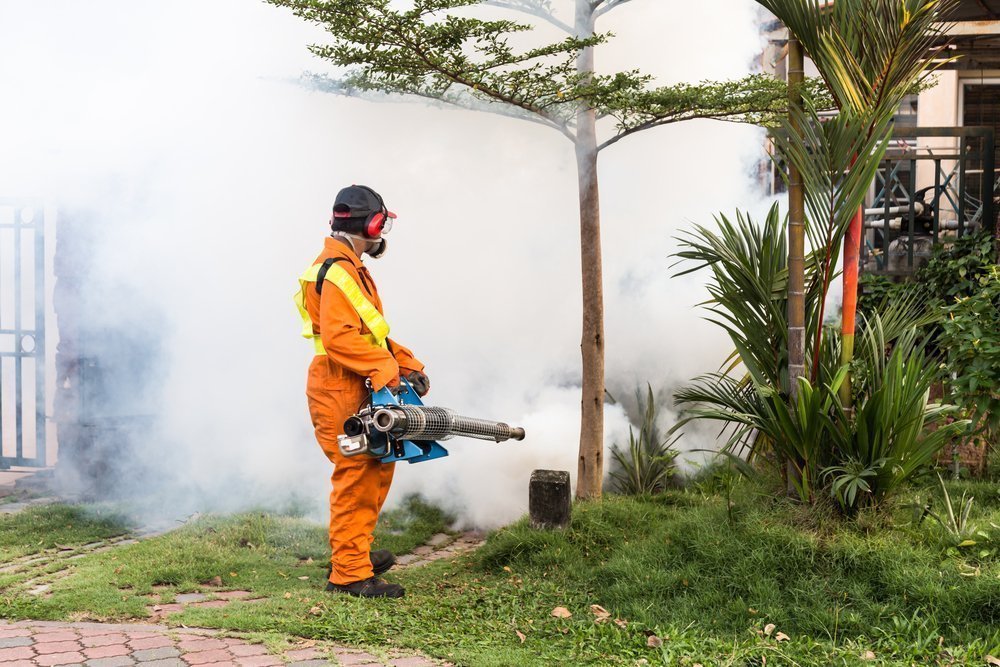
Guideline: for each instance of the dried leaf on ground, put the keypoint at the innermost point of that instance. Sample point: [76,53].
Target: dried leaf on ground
[520,635]
[600,613]
[214,581]
[769,628]
[868,655]
[562,612]
[621,623]
[990,660]
[315,611]
[653,641]
[781,637]
[287,595]
[304,577]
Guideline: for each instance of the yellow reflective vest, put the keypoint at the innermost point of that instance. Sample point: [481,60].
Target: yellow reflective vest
[337,275]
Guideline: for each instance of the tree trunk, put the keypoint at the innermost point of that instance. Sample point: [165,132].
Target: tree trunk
[796,237]
[796,255]
[852,255]
[591,462]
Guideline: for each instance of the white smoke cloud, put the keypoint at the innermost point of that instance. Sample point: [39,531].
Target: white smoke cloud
[211,178]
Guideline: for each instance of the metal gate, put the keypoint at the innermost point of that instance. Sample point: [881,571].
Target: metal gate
[958,196]
[22,335]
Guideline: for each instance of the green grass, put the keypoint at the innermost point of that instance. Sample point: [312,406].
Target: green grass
[675,566]
[44,527]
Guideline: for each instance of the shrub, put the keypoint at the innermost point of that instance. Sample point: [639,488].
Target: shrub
[648,463]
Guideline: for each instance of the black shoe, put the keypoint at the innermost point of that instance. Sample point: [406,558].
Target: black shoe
[369,588]
[382,562]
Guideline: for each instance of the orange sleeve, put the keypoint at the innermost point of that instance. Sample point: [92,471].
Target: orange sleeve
[407,362]
[340,330]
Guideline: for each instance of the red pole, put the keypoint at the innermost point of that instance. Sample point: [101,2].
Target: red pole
[852,257]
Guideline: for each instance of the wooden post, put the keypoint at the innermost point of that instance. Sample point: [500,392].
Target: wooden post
[549,499]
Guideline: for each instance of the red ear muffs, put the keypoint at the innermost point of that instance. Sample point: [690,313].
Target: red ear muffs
[374,225]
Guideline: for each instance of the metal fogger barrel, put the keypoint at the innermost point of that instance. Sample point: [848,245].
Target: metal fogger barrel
[418,422]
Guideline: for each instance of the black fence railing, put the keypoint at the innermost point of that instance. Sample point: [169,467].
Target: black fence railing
[927,195]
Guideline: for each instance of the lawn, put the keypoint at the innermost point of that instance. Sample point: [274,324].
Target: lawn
[683,578]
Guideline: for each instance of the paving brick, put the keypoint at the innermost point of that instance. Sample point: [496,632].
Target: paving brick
[439,539]
[187,598]
[411,661]
[7,632]
[44,647]
[11,642]
[354,658]
[119,661]
[167,608]
[57,636]
[19,663]
[156,641]
[303,654]
[244,650]
[310,663]
[109,651]
[168,662]
[51,659]
[233,595]
[259,661]
[211,604]
[143,635]
[201,644]
[156,654]
[104,640]
[205,657]
[16,653]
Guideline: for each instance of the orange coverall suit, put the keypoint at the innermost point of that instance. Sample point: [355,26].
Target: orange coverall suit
[336,390]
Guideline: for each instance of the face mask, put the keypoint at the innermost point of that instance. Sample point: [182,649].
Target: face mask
[379,249]
[376,247]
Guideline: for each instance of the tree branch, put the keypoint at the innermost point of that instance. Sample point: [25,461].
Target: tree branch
[533,9]
[657,122]
[609,5]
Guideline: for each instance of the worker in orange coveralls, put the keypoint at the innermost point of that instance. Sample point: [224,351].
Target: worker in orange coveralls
[342,313]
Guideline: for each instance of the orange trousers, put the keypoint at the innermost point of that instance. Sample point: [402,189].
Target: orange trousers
[360,483]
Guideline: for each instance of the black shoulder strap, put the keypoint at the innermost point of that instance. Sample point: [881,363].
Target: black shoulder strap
[321,276]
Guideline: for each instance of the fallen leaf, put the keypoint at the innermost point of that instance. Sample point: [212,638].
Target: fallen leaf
[621,623]
[868,655]
[315,611]
[233,574]
[752,610]
[309,560]
[288,595]
[506,568]
[304,577]
[781,637]
[697,664]
[654,642]
[769,628]
[157,608]
[562,612]
[600,613]
[216,581]
[520,635]
[990,660]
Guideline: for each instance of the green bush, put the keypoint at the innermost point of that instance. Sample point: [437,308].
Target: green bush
[860,455]
[971,338]
[648,463]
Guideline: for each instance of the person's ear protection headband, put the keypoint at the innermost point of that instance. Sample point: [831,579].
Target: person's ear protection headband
[377,221]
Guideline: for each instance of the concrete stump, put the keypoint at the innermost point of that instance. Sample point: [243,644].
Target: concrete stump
[549,499]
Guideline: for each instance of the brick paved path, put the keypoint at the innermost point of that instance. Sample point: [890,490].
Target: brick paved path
[48,644]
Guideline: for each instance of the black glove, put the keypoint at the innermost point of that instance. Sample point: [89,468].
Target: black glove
[420,382]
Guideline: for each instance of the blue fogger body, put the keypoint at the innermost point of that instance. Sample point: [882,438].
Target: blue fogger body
[399,427]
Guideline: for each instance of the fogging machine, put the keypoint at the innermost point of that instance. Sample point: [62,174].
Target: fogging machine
[399,427]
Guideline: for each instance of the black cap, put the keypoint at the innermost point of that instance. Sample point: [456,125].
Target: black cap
[357,201]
